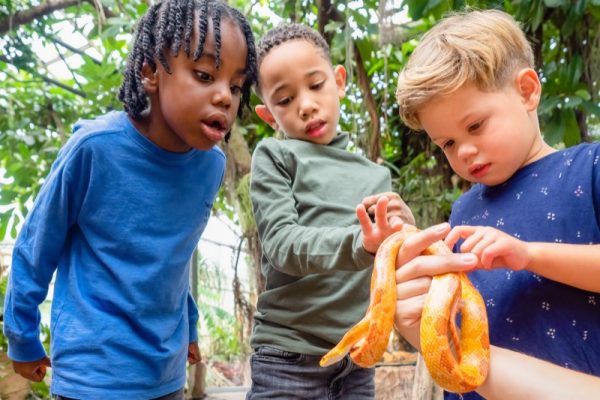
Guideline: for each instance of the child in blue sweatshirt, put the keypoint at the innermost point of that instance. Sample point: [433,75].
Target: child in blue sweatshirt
[122,210]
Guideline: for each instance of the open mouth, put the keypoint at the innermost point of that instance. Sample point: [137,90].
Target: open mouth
[215,128]
[216,125]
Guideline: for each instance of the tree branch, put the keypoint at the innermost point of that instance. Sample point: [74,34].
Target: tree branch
[374,150]
[327,12]
[26,16]
[46,79]
[47,7]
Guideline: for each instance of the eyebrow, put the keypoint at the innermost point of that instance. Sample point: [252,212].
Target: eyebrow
[464,119]
[208,54]
[284,85]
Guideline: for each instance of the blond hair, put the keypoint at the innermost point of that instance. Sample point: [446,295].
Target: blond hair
[484,48]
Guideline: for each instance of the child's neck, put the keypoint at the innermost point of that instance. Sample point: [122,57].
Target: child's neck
[539,151]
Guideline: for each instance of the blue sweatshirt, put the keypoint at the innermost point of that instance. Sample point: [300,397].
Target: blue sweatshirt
[118,219]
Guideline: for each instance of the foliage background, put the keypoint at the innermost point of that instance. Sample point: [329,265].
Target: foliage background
[372,38]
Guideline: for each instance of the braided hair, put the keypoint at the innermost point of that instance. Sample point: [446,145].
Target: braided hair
[168,26]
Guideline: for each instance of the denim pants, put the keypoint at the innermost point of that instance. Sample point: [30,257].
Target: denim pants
[178,395]
[278,374]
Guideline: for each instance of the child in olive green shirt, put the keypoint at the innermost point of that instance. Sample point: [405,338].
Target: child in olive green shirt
[304,191]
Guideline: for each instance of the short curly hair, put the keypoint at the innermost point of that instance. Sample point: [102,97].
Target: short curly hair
[285,33]
[484,48]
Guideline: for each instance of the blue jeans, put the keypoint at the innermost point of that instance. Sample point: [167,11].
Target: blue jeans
[178,395]
[278,374]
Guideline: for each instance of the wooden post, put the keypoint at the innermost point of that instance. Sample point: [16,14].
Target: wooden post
[424,388]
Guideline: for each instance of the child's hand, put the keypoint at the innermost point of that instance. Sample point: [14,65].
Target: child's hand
[494,248]
[397,210]
[375,234]
[413,277]
[194,355]
[32,370]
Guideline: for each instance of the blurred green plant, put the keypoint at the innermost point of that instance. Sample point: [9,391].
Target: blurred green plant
[420,185]
[219,330]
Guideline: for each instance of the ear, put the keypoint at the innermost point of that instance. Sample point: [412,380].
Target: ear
[340,79]
[263,113]
[529,87]
[149,79]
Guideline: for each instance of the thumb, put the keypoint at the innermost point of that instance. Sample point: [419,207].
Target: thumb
[396,222]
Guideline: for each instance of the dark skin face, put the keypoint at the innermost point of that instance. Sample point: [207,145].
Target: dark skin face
[196,105]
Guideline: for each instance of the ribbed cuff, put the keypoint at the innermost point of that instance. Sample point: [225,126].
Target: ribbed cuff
[194,332]
[363,258]
[25,351]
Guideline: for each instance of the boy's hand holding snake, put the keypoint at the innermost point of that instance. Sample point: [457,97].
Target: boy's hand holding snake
[410,292]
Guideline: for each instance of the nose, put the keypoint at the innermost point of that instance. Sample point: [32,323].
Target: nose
[222,95]
[308,106]
[466,150]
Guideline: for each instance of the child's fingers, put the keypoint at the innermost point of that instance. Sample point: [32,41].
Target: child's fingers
[435,265]
[407,318]
[481,246]
[409,311]
[493,255]
[369,203]
[395,223]
[413,288]
[364,220]
[381,213]
[39,373]
[472,241]
[488,255]
[415,244]
[458,232]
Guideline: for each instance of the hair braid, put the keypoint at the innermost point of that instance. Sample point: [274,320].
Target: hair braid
[217,31]
[202,30]
[189,27]
[251,60]
[179,26]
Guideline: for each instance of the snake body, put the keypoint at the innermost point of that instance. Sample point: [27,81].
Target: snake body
[458,363]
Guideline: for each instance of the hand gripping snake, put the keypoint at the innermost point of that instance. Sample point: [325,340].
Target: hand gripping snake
[457,365]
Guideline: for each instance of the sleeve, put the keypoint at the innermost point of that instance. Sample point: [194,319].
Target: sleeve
[290,247]
[193,317]
[36,254]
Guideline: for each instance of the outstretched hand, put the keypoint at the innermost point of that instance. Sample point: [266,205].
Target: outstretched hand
[493,247]
[375,233]
[397,210]
[32,370]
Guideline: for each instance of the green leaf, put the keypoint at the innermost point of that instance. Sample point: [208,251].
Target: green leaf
[333,26]
[591,108]
[572,135]
[573,102]
[584,94]
[554,129]
[555,3]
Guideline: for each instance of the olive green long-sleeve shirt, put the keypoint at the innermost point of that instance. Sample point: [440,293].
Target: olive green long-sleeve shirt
[304,197]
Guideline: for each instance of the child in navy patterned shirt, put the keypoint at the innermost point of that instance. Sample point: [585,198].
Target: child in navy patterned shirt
[530,225]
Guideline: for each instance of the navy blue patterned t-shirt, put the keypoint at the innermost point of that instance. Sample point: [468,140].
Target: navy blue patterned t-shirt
[555,199]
